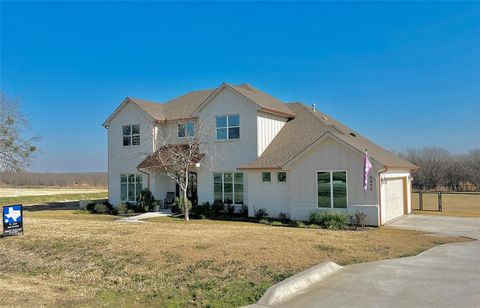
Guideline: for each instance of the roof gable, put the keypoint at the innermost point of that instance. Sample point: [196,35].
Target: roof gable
[307,129]
[149,108]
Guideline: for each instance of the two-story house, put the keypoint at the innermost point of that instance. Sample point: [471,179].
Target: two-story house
[283,157]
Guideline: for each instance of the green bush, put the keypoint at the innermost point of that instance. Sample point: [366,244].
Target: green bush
[122,208]
[101,208]
[261,214]
[230,209]
[217,208]
[277,223]
[283,217]
[329,219]
[90,207]
[179,205]
[244,210]
[145,200]
[201,210]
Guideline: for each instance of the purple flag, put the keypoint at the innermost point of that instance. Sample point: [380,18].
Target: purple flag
[367,166]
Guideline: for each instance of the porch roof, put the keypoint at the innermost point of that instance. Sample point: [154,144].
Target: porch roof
[163,157]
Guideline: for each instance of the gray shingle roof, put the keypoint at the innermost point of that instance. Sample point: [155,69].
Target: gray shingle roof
[309,126]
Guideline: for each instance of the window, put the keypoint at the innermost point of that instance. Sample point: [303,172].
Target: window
[228,187]
[186,130]
[266,177]
[332,189]
[130,186]
[131,135]
[228,127]
[282,177]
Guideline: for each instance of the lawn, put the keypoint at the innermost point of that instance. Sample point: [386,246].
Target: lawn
[453,204]
[36,195]
[70,258]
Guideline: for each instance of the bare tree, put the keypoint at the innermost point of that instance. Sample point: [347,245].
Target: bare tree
[15,152]
[473,166]
[432,162]
[177,160]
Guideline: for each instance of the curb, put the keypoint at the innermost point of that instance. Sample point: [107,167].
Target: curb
[290,287]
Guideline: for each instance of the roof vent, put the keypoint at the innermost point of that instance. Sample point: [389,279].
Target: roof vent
[325,118]
[353,135]
[313,107]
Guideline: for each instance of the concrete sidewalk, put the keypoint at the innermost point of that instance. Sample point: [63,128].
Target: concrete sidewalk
[444,276]
[139,218]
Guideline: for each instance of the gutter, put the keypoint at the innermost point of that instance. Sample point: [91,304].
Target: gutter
[380,194]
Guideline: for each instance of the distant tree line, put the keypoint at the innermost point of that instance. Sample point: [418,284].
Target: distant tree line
[95,179]
[439,169]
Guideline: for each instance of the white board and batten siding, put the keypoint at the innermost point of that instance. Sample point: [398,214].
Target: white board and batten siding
[331,155]
[268,126]
[125,159]
[272,196]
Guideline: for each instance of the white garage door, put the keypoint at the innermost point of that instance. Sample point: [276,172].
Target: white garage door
[393,198]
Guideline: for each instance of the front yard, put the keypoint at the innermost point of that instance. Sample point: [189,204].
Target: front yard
[71,258]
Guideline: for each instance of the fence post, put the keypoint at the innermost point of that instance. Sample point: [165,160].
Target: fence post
[420,200]
[440,206]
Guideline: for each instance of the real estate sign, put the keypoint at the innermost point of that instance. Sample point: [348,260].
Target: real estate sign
[12,219]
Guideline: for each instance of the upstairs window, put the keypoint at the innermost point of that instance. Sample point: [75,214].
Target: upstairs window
[282,177]
[131,135]
[186,129]
[228,127]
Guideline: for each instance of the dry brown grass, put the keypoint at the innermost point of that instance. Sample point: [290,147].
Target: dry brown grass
[453,204]
[67,258]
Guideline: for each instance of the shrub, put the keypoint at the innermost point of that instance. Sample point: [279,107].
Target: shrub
[217,207]
[230,209]
[297,224]
[328,219]
[283,217]
[359,219]
[122,209]
[146,200]
[277,223]
[244,210]
[261,214]
[201,210]
[313,226]
[101,208]
[90,207]
[180,205]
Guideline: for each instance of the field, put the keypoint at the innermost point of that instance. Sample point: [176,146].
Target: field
[36,195]
[71,258]
[453,204]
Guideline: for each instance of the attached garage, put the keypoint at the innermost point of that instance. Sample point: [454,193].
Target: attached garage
[395,197]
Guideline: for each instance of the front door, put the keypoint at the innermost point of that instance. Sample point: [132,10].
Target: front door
[191,189]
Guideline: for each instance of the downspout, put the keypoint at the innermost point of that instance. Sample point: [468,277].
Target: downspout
[380,195]
[148,177]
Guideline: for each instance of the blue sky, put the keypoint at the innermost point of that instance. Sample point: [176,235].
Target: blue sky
[403,74]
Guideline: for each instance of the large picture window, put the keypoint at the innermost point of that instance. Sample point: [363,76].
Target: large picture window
[228,187]
[186,130]
[130,186]
[131,135]
[332,189]
[228,127]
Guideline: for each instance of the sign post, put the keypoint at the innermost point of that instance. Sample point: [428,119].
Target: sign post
[12,216]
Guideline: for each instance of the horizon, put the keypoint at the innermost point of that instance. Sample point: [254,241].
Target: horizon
[404,75]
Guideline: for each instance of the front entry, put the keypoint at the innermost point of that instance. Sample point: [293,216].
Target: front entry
[192,194]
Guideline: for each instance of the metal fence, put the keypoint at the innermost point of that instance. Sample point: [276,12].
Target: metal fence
[439,199]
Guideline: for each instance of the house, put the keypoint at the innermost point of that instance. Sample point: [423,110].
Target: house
[283,157]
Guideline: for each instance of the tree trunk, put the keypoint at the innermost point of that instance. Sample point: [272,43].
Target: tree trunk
[185,200]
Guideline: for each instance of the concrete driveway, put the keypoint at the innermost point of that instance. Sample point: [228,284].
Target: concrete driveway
[444,276]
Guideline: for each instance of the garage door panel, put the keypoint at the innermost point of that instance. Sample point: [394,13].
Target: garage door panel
[393,198]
